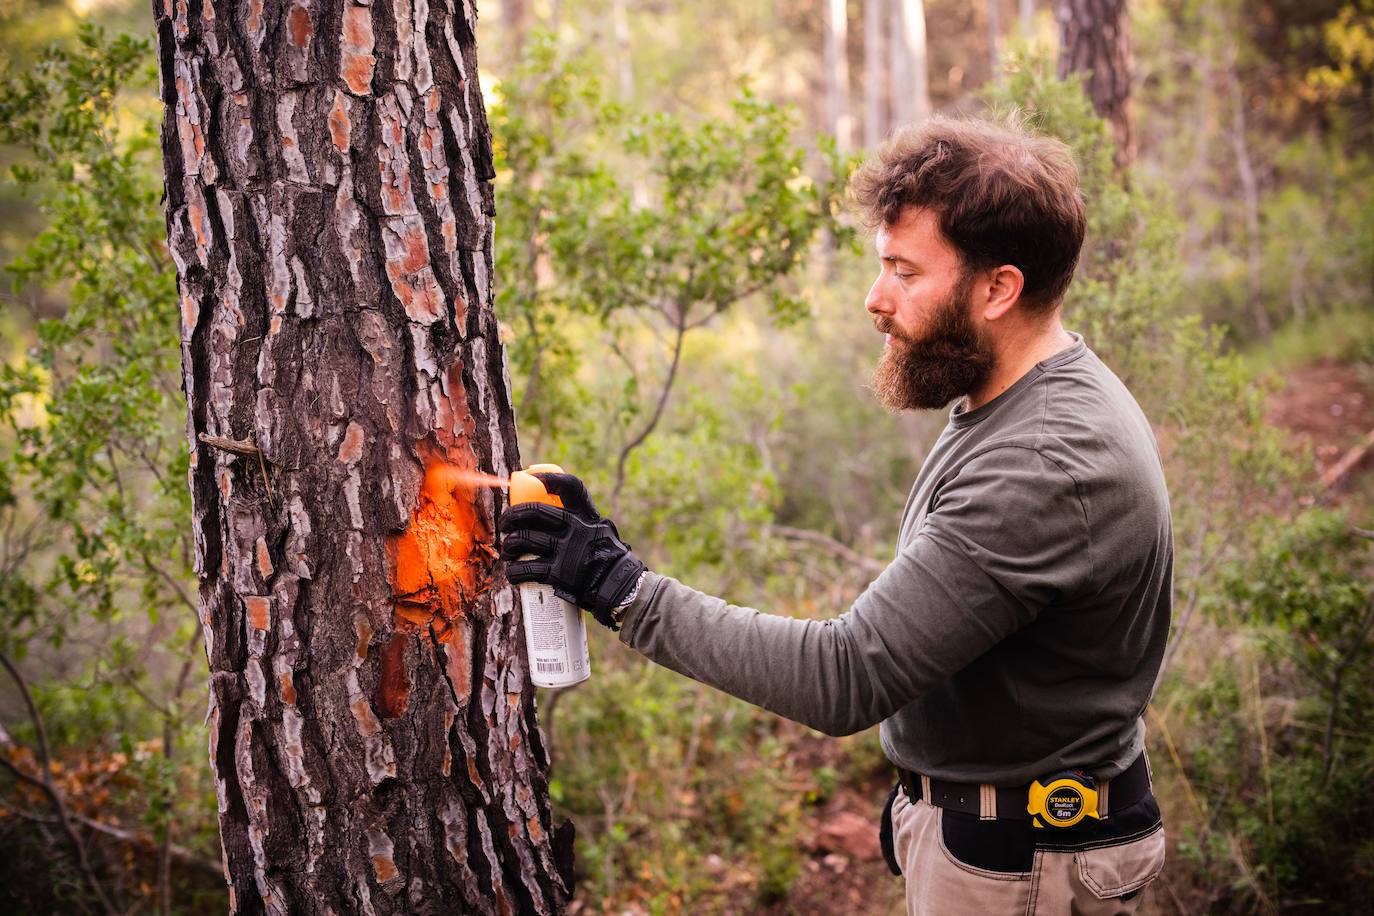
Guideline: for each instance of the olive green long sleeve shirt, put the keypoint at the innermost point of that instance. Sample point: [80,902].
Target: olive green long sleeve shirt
[1020,627]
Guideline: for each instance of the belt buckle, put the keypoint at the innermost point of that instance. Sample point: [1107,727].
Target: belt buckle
[1062,800]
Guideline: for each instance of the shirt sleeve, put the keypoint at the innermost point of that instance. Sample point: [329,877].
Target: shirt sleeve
[1005,538]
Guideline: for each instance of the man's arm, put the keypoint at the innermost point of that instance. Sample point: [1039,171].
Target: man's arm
[1006,536]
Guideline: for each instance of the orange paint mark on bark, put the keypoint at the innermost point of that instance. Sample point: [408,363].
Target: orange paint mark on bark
[394,690]
[259,612]
[352,445]
[384,867]
[432,558]
[340,127]
[301,28]
[417,615]
[286,687]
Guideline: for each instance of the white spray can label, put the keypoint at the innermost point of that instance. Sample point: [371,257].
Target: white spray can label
[555,632]
[555,637]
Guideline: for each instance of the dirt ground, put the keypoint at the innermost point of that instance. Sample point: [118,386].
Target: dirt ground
[1331,407]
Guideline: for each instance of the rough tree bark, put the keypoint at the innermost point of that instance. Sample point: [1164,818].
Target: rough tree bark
[1095,40]
[329,208]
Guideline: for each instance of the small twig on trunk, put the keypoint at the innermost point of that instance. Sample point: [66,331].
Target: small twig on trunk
[46,784]
[246,448]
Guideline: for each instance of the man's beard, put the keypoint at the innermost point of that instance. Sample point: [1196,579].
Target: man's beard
[950,359]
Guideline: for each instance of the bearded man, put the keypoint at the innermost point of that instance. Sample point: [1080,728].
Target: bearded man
[1011,647]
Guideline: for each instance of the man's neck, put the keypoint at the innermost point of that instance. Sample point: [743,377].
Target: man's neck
[1017,357]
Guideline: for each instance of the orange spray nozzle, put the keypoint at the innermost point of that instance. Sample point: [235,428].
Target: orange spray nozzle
[526,488]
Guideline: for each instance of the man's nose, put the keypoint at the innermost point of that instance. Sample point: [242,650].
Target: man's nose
[876,302]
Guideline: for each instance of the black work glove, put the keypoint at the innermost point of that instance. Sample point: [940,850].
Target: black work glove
[574,549]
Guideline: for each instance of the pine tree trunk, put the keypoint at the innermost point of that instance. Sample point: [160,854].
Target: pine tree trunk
[329,209]
[1095,40]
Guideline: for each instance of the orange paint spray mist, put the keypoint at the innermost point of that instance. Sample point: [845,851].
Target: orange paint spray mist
[555,631]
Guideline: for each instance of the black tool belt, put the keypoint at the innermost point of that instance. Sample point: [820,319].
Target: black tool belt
[998,802]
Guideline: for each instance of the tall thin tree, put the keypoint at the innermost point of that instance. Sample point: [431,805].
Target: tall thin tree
[838,110]
[875,74]
[908,62]
[329,210]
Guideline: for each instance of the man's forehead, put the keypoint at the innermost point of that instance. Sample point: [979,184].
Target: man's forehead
[915,235]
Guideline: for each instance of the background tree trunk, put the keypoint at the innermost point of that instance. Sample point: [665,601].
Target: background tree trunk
[329,209]
[875,74]
[1095,40]
[838,117]
[994,10]
[910,77]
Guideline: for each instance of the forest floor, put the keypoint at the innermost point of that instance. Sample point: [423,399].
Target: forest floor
[1327,407]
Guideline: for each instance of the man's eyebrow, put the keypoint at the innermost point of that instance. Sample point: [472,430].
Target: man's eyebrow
[896,259]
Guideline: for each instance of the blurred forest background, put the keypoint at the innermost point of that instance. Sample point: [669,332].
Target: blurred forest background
[682,293]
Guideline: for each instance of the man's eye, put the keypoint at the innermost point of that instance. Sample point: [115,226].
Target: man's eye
[905,276]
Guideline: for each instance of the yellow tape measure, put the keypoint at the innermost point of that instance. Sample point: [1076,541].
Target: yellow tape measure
[1062,800]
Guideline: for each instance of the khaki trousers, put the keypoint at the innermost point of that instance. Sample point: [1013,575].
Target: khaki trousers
[1030,873]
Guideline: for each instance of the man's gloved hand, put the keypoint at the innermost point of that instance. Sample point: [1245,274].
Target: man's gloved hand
[574,549]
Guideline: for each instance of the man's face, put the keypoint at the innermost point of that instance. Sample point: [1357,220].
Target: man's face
[923,301]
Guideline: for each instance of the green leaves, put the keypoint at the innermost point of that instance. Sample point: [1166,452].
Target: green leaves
[644,223]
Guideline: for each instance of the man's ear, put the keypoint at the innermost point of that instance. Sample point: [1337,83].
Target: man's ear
[1004,285]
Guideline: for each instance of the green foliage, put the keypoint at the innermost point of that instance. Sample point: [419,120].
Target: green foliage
[669,775]
[626,233]
[1312,588]
[95,581]
[93,469]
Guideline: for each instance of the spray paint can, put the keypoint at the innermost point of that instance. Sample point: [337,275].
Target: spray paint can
[555,632]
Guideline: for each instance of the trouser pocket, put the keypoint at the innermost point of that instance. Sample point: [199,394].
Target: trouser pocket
[1110,872]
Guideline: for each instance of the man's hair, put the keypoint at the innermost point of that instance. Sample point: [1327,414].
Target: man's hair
[1002,195]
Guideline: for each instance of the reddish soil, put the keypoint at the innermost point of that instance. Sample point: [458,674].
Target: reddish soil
[1330,407]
